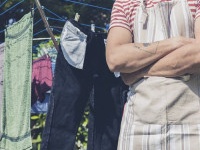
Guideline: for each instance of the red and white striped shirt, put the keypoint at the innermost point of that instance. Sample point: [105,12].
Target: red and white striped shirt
[123,11]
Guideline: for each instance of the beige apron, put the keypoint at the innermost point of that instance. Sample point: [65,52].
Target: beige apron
[162,113]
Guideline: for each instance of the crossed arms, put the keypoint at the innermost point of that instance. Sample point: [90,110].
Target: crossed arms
[168,58]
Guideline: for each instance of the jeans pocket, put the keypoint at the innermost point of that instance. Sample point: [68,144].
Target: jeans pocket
[73,45]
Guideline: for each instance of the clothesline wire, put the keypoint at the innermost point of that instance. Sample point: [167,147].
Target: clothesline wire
[45,30]
[37,22]
[11,7]
[87,25]
[86,4]
[49,18]
[44,38]
[39,32]
[54,29]
[60,18]
[81,3]
[34,46]
[53,13]
[3,3]
[35,9]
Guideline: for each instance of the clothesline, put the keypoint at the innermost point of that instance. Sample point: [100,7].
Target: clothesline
[3,3]
[81,3]
[50,18]
[47,38]
[57,30]
[39,32]
[37,22]
[60,18]
[54,28]
[53,13]
[87,25]
[11,7]
[94,6]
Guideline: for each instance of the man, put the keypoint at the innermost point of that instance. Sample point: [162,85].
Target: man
[155,44]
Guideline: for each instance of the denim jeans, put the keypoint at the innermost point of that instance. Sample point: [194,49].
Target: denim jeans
[72,89]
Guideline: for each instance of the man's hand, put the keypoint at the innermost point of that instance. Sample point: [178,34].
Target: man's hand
[130,78]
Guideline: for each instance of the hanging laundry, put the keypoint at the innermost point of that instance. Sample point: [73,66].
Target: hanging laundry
[41,78]
[1,82]
[17,85]
[52,53]
[82,76]
[41,107]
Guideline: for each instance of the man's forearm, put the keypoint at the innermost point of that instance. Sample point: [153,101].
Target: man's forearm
[135,56]
[124,56]
[182,61]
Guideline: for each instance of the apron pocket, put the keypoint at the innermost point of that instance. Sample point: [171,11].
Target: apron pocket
[150,103]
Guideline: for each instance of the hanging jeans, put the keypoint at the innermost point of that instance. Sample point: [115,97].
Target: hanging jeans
[71,91]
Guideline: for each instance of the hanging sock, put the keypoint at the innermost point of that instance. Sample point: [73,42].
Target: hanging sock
[17,85]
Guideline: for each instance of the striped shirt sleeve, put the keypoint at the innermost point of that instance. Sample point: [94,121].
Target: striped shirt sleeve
[197,9]
[118,16]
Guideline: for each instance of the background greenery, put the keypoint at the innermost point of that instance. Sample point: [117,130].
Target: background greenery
[38,123]
[66,10]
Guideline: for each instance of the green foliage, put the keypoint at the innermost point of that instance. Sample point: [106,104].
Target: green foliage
[38,123]
[82,135]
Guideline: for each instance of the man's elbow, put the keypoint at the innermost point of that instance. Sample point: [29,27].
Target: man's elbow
[113,64]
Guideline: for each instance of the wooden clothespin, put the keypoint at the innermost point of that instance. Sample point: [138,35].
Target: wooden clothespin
[32,9]
[77,16]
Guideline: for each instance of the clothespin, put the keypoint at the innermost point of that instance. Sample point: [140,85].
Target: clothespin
[32,10]
[77,16]
[93,27]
